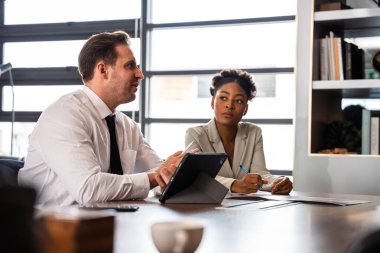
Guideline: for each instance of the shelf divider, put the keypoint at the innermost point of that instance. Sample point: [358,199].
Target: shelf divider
[346,84]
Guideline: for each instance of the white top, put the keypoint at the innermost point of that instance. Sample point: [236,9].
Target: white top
[69,154]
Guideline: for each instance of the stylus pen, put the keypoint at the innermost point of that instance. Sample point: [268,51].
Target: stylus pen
[188,147]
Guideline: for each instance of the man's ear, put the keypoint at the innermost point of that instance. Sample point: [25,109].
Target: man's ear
[102,68]
[212,102]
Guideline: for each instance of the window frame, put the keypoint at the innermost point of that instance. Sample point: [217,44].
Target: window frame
[147,27]
[57,75]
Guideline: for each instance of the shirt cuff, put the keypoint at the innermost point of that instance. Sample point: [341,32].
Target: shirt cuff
[141,186]
[226,181]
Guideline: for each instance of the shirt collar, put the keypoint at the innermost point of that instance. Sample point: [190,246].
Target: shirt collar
[99,105]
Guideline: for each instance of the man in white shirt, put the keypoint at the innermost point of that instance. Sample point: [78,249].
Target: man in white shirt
[68,158]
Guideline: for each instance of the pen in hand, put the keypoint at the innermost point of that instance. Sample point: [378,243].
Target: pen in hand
[247,172]
[244,169]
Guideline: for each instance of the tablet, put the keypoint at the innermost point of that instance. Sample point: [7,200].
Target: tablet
[190,168]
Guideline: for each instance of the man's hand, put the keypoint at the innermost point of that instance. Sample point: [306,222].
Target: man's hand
[163,174]
[173,159]
[163,177]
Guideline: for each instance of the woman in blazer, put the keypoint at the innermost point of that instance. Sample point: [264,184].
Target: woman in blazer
[241,141]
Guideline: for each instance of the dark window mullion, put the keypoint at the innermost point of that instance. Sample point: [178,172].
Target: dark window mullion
[203,120]
[213,71]
[63,31]
[222,22]
[32,116]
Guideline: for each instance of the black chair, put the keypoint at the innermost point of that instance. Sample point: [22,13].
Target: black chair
[16,219]
[16,209]
[368,242]
[9,168]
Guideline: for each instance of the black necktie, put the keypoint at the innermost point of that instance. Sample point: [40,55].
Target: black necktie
[115,164]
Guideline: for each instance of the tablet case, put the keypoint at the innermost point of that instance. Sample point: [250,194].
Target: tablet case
[194,180]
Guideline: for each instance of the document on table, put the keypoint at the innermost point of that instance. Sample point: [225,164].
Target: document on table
[253,205]
[321,200]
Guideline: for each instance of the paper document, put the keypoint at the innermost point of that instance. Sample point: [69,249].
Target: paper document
[321,200]
[254,205]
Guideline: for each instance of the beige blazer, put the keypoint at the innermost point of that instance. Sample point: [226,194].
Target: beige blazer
[248,151]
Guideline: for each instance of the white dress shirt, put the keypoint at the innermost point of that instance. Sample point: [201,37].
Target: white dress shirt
[69,154]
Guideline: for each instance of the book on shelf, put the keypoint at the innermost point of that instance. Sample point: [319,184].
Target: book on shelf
[353,61]
[357,62]
[324,59]
[347,60]
[375,135]
[340,59]
[370,132]
[331,65]
[330,46]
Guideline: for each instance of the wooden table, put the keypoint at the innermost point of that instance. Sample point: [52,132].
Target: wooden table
[300,228]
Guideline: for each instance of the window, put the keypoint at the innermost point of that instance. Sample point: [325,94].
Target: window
[46,11]
[230,46]
[42,39]
[50,53]
[201,10]
[181,50]
[189,45]
[171,96]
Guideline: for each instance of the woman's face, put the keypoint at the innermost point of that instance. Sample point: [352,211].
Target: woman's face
[230,104]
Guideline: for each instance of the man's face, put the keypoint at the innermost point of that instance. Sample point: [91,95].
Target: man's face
[124,76]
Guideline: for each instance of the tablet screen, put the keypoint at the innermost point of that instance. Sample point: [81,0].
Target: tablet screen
[189,168]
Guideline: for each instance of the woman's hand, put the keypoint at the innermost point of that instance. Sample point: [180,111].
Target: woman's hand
[282,185]
[250,183]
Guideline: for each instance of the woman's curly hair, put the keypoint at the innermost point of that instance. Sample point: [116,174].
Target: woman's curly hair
[243,78]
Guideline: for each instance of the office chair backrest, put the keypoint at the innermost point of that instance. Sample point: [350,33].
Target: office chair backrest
[9,170]
[16,219]
[368,242]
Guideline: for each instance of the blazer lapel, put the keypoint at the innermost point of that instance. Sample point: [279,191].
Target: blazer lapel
[215,140]
[239,149]
[217,144]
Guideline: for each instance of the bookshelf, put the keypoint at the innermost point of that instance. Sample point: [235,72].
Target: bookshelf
[319,102]
[328,94]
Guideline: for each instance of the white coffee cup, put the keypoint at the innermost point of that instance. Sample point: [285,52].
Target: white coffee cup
[177,236]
